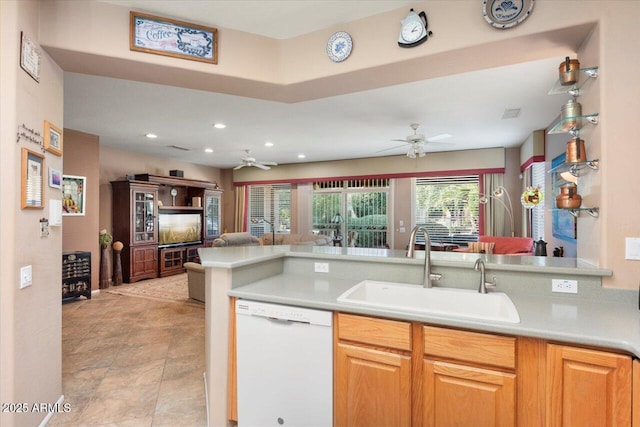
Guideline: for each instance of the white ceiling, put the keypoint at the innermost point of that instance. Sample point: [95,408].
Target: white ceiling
[468,106]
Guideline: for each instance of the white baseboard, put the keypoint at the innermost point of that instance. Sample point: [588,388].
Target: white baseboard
[46,419]
[95,292]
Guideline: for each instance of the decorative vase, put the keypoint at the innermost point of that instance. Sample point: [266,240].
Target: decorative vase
[117,264]
[105,280]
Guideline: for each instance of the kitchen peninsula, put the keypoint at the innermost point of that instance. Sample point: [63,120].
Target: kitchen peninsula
[553,327]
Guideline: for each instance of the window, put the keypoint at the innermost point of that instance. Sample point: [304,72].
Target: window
[269,209]
[537,213]
[448,208]
[353,211]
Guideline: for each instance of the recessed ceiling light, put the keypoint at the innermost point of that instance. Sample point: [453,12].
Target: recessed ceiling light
[301,156]
[151,135]
[268,144]
[219,126]
[208,150]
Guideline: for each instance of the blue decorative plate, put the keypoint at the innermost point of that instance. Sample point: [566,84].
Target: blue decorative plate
[339,46]
[506,13]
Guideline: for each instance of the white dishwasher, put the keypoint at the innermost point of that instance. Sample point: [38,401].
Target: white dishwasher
[285,365]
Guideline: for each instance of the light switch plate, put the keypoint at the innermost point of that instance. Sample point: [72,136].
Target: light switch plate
[25,276]
[632,248]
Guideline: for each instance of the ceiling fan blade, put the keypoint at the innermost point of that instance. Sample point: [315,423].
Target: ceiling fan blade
[269,163]
[238,167]
[391,148]
[261,166]
[438,138]
[402,140]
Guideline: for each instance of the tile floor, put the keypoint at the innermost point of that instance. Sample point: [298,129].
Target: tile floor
[132,362]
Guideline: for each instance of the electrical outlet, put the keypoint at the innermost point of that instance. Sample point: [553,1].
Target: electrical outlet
[564,286]
[25,276]
[321,267]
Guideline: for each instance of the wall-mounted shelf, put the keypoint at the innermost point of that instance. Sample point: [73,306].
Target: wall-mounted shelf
[575,167]
[574,124]
[585,75]
[594,211]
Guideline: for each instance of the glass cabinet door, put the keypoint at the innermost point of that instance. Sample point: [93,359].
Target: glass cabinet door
[144,219]
[212,215]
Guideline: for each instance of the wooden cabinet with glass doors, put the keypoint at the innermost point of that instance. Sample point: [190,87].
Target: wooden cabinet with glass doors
[212,216]
[134,224]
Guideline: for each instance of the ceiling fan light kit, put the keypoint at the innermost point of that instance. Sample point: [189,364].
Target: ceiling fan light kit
[249,161]
[417,142]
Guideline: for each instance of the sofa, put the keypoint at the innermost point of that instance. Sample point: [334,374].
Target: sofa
[500,245]
[195,279]
[297,239]
[235,239]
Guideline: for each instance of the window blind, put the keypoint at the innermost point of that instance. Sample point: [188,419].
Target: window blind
[269,209]
[448,208]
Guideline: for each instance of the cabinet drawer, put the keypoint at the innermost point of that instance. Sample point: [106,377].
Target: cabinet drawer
[378,332]
[470,346]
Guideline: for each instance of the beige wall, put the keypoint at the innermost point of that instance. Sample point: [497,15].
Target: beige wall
[30,318]
[491,158]
[80,233]
[116,164]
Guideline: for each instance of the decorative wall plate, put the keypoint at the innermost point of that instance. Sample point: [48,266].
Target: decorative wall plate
[339,46]
[506,13]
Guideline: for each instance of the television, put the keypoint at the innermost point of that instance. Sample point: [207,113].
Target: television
[174,229]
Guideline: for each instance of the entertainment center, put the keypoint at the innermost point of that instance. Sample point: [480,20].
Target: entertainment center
[162,221]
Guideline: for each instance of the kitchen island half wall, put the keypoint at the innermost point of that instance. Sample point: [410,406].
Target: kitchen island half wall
[287,275]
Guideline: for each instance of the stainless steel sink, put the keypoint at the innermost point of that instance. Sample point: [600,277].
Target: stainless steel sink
[469,304]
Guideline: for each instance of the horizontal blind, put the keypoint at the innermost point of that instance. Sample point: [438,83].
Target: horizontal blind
[537,213]
[270,207]
[448,208]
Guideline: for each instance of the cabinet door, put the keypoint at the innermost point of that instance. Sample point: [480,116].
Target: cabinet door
[144,262]
[587,388]
[458,395]
[144,216]
[372,388]
[211,215]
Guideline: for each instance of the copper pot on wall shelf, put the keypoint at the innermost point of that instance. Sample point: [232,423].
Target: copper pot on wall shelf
[569,112]
[568,197]
[568,71]
[575,151]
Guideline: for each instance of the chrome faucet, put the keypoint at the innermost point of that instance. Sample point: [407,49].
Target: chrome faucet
[429,277]
[479,265]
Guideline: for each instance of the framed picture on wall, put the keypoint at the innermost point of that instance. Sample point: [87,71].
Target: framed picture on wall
[55,178]
[170,37]
[32,180]
[52,138]
[74,190]
[564,225]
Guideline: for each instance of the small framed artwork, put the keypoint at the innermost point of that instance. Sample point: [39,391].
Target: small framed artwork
[52,138]
[564,225]
[169,37]
[32,180]
[30,57]
[55,178]
[74,190]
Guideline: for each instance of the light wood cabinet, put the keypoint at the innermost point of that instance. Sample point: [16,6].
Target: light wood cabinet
[460,395]
[458,388]
[587,388]
[373,387]
[635,412]
[372,372]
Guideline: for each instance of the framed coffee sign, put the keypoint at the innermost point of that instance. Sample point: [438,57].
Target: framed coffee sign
[169,37]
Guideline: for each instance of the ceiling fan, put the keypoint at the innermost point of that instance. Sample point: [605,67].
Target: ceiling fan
[248,160]
[417,142]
